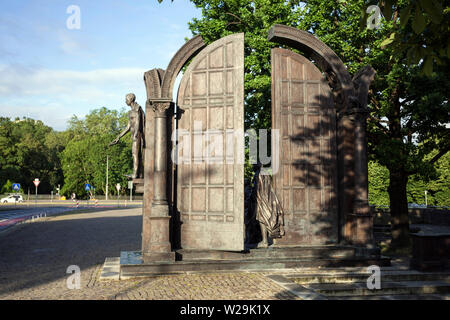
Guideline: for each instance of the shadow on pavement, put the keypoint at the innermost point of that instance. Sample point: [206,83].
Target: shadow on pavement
[40,252]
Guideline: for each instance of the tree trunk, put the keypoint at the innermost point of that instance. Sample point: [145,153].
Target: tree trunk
[399,208]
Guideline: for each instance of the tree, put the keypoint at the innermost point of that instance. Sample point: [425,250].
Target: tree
[436,182]
[28,150]
[420,30]
[84,158]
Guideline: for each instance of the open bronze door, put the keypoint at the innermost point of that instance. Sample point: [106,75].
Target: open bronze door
[306,182]
[210,192]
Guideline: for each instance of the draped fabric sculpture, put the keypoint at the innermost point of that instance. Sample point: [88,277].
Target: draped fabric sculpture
[269,212]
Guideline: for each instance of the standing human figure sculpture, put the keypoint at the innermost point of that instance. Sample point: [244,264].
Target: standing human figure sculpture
[136,123]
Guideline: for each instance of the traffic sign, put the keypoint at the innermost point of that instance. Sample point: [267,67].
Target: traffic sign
[36,183]
[87,187]
[130,184]
[118,187]
[16,186]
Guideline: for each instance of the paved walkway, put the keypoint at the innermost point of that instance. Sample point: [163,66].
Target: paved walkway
[35,256]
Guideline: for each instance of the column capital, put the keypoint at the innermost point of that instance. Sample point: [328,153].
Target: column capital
[160,105]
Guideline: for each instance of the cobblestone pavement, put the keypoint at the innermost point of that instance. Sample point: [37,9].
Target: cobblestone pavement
[34,258]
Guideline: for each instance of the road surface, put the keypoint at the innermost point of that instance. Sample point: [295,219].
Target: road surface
[12,214]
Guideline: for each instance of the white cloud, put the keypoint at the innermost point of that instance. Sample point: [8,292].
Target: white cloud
[53,116]
[70,46]
[54,95]
[23,81]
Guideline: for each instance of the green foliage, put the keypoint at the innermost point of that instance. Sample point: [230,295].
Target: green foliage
[439,189]
[7,187]
[85,156]
[436,183]
[378,184]
[420,31]
[28,150]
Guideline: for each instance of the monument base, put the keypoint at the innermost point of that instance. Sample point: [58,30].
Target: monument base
[158,257]
[133,264]
[430,251]
[359,229]
[139,185]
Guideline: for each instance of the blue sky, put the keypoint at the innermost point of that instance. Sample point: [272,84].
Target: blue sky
[49,72]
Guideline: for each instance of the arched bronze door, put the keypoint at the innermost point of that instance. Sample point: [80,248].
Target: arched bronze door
[306,182]
[210,196]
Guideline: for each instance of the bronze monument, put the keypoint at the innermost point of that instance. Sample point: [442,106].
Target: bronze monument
[313,211]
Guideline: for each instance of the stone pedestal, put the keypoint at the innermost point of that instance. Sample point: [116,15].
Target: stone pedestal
[430,251]
[133,264]
[160,248]
[359,229]
[138,184]
[359,222]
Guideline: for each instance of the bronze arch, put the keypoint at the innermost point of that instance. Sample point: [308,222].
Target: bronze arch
[183,55]
[326,59]
[153,79]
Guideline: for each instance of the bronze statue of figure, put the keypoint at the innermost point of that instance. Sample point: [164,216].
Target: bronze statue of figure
[136,125]
[265,208]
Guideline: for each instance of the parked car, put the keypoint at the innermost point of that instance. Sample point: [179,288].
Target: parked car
[12,198]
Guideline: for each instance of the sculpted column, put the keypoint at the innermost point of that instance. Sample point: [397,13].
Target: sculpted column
[159,247]
[362,219]
[346,159]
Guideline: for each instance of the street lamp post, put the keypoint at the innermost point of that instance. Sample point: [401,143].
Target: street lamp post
[426,202]
[107,167]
